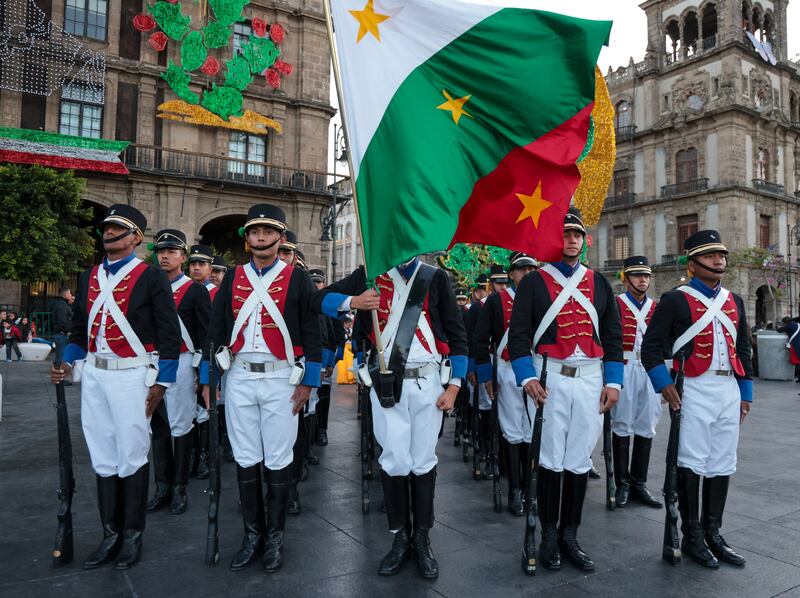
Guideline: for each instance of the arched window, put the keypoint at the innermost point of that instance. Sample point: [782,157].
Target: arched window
[690,34]
[762,164]
[709,23]
[794,109]
[747,13]
[686,169]
[672,41]
[624,116]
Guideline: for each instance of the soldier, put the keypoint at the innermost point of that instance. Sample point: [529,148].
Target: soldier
[418,336]
[639,407]
[200,260]
[470,318]
[288,248]
[218,268]
[461,299]
[125,327]
[707,323]
[171,470]
[270,351]
[514,418]
[569,312]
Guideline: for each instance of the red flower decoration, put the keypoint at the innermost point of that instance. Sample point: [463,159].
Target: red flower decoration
[143,23]
[210,66]
[259,27]
[589,240]
[158,41]
[276,33]
[173,1]
[284,68]
[273,78]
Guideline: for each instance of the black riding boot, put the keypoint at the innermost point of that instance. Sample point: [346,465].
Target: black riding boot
[423,487]
[109,503]
[514,483]
[395,496]
[715,493]
[194,461]
[180,502]
[640,462]
[621,446]
[310,422]
[251,498]
[486,443]
[693,542]
[548,495]
[202,459]
[163,463]
[134,489]
[571,510]
[223,430]
[279,486]
[323,408]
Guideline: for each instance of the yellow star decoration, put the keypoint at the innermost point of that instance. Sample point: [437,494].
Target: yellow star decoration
[368,21]
[534,205]
[455,106]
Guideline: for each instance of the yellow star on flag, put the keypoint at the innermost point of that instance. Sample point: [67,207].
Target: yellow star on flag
[368,21]
[534,205]
[455,106]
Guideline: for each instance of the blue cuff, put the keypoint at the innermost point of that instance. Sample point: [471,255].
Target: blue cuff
[359,358]
[523,369]
[71,353]
[484,371]
[167,370]
[459,363]
[745,389]
[313,374]
[331,303]
[327,358]
[204,372]
[614,372]
[339,354]
[471,365]
[660,377]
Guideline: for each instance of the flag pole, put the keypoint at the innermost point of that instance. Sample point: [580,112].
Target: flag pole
[337,77]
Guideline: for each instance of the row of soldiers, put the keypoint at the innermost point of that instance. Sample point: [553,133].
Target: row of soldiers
[267,320]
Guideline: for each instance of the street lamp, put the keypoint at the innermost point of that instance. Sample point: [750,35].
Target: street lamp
[794,239]
[329,221]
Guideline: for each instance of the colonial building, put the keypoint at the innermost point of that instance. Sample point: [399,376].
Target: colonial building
[708,136]
[201,179]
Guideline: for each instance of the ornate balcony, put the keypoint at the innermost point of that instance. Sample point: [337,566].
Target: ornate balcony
[625,133]
[620,200]
[692,186]
[768,187]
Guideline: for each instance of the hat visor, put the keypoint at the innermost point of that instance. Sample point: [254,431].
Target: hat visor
[524,262]
[577,227]
[200,258]
[129,224]
[288,245]
[707,248]
[499,278]
[638,270]
[277,225]
[168,245]
[219,268]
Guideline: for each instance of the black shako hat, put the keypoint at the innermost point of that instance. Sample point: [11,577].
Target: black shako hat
[127,216]
[201,253]
[498,274]
[266,214]
[219,263]
[317,275]
[573,221]
[636,264]
[517,259]
[480,281]
[300,260]
[290,242]
[704,241]
[461,294]
[170,238]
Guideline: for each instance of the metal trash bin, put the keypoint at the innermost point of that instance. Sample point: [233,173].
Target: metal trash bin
[773,356]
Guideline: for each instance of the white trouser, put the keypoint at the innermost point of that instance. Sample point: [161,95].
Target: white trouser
[200,412]
[258,411]
[515,421]
[639,407]
[181,399]
[113,418]
[572,421]
[409,431]
[484,402]
[709,425]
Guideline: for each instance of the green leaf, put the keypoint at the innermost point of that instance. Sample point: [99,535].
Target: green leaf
[260,53]
[170,18]
[237,73]
[216,34]
[228,11]
[193,52]
[224,101]
[178,80]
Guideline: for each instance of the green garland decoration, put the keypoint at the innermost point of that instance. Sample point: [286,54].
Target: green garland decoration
[216,34]
[179,80]
[238,73]
[260,53]
[170,18]
[193,52]
[223,101]
[228,11]
[589,141]
[466,261]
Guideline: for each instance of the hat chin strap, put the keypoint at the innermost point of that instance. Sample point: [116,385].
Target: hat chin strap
[704,267]
[118,237]
[265,247]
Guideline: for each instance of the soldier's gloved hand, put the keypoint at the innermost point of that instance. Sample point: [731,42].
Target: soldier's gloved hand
[471,378]
[366,301]
[207,396]
[744,410]
[58,376]
[154,397]
[670,394]
[536,392]
[489,389]
[608,398]
[447,399]
[300,397]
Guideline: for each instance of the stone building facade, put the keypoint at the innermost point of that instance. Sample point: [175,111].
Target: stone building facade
[708,136]
[197,178]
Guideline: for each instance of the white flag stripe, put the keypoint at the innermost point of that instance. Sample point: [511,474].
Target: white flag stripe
[373,70]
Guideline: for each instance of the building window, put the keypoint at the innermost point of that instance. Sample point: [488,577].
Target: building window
[624,117]
[621,183]
[745,86]
[665,103]
[621,242]
[248,153]
[686,167]
[81,111]
[715,86]
[763,232]
[762,164]
[241,36]
[86,18]
[687,226]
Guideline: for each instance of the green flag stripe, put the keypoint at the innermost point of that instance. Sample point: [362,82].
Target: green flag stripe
[62,140]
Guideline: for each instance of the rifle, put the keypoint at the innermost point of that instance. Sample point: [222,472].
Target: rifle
[671,551]
[212,537]
[62,547]
[531,487]
[459,417]
[465,423]
[611,487]
[366,438]
[476,466]
[495,453]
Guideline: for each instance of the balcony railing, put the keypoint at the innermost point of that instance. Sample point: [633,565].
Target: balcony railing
[614,264]
[768,187]
[709,42]
[148,158]
[669,259]
[693,186]
[620,200]
[795,124]
[625,133]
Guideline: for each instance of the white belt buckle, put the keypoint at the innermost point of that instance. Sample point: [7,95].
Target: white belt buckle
[256,368]
[570,371]
[101,363]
